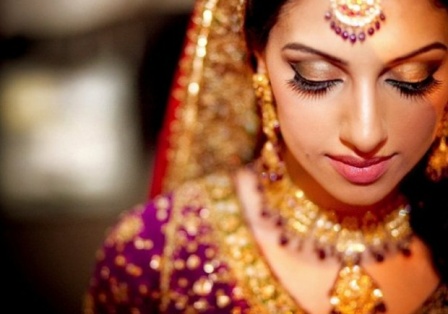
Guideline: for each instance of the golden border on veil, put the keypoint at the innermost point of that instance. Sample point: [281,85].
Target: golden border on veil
[216,123]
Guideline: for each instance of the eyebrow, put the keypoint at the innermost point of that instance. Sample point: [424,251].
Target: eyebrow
[307,49]
[419,51]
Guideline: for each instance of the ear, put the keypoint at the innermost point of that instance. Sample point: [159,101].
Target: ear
[261,63]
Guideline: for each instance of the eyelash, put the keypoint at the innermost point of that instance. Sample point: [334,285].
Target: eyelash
[311,88]
[415,89]
[319,88]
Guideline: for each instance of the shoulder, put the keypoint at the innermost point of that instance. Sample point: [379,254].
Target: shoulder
[135,262]
[140,227]
[126,271]
[139,235]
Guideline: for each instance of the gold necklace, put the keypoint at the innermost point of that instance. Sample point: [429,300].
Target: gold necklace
[354,290]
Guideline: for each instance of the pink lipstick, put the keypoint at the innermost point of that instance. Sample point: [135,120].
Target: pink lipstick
[358,170]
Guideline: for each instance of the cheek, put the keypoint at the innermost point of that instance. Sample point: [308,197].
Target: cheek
[412,131]
[305,124]
[419,130]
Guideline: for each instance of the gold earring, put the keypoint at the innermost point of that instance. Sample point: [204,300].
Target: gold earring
[437,167]
[273,167]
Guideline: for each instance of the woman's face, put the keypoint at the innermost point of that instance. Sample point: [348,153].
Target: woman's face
[356,118]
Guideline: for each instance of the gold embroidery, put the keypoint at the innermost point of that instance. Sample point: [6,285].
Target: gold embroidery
[155,262]
[228,242]
[125,232]
[239,250]
[215,85]
[251,274]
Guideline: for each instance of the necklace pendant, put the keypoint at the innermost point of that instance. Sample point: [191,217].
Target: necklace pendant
[355,291]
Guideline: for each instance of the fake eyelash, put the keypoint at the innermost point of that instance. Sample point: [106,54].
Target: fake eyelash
[318,88]
[415,89]
[311,88]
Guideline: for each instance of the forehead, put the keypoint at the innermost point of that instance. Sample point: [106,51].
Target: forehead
[408,24]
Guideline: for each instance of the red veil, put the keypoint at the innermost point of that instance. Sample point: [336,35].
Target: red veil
[211,120]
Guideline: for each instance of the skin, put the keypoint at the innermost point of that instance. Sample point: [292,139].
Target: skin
[364,116]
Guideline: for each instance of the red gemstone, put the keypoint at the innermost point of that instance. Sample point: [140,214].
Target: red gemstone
[362,36]
[279,222]
[283,240]
[265,213]
[378,257]
[380,308]
[406,252]
[321,253]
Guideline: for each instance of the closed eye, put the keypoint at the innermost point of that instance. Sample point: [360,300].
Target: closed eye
[312,88]
[415,89]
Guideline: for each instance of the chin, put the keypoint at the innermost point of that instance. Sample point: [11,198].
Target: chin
[364,197]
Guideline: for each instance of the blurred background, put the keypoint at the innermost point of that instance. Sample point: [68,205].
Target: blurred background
[83,87]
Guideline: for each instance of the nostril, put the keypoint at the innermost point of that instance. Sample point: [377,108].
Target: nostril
[364,138]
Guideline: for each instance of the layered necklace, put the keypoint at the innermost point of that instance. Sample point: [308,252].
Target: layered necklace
[347,239]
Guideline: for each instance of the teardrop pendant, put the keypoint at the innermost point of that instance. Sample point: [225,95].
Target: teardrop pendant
[355,291]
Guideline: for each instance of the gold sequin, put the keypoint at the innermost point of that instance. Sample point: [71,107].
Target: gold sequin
[162,214]
[155,262]
[181,302]
[120,260]
[162,203]
[201,305]
[193,262]
[143,289]
[210,252]
[126,231]
[179,264]
[222,300]
[209,268]
[192,225]
[141,244]
[203,286]
[105,272]
[182,282]
[120,292]
[192,247]
[134,270]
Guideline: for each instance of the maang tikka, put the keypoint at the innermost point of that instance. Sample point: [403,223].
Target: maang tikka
[354,20]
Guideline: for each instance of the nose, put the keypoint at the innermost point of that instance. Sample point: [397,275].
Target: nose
[363,127]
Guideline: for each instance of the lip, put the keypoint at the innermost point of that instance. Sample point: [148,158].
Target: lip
[358,170]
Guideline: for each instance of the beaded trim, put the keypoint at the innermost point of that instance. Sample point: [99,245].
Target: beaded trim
[354,20]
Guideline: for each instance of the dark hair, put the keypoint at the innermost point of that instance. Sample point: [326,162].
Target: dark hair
[429,200]
[261,16]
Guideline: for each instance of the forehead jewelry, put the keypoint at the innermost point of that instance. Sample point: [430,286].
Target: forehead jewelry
[354,20]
